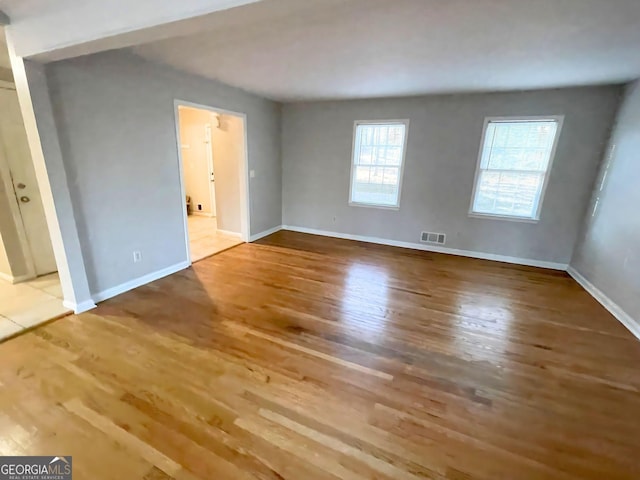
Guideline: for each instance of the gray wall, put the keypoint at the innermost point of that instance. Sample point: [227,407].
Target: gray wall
[444,138]
[115,117]
[608,254]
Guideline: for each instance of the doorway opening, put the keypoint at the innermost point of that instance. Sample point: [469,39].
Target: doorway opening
[212,148]
[30,290]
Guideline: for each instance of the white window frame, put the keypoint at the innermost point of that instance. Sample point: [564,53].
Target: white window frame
[356,124]
[559,119]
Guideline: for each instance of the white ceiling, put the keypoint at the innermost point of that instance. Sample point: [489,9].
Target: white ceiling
[319,49]
[20,9]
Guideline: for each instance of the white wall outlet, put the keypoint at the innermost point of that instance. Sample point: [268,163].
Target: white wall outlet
[252,173]
[137,256]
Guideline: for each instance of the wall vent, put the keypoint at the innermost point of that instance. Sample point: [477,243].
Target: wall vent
[431,237]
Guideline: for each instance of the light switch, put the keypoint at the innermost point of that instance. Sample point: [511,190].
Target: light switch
[252,173]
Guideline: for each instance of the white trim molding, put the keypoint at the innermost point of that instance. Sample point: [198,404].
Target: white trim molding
[432,248]
[614,309]
[266,233]
[11,279]
[79,307]
[138,282]
[229,233]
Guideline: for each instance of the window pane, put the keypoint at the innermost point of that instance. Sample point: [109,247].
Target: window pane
[390,176]
[375,194]
[518,145]
[393,156]
[377,161]
[384,131]
[367,135]
[518,159]
[366,155]
[362,174]
[508,193]
[514,159]
[396,135]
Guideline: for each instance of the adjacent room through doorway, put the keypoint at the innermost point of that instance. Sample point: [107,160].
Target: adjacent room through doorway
[213,166]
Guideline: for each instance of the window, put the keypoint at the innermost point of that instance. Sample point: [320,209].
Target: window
[513,166]
[378,158]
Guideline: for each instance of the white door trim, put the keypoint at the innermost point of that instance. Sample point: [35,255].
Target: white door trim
[245,194]
[211,170]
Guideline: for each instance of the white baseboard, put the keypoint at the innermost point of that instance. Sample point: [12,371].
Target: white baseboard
[614,309]
[230,233]
[260,235]
[11,279]
[431,248]
[137,282]
[79,307]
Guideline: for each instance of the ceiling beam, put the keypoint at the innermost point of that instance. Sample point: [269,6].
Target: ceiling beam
[80,27]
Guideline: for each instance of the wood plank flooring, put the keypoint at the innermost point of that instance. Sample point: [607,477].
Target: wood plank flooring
[303,358]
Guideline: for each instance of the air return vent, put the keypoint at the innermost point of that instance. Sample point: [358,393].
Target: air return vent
[431,237]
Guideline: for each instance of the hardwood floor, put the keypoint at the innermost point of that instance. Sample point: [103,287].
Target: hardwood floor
[302,357]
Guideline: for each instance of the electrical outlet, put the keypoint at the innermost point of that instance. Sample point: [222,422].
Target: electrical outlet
[137,256]
[199,206]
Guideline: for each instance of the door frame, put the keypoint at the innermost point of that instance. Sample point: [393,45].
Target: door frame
[212,188]
[245,192]
[7,180]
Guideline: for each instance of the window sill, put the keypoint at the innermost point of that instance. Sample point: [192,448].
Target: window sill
[372,205]
[488,216]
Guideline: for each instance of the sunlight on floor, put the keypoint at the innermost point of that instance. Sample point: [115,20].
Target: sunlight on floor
[27,304]
[204,238]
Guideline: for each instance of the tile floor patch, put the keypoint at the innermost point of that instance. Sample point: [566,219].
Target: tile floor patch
[8,328]
[25,305]
[205,239]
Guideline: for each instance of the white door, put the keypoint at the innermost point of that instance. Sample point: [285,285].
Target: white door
[208,140]
[13,141]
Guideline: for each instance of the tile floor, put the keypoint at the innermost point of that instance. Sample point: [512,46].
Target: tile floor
[27,304]
[204,238]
